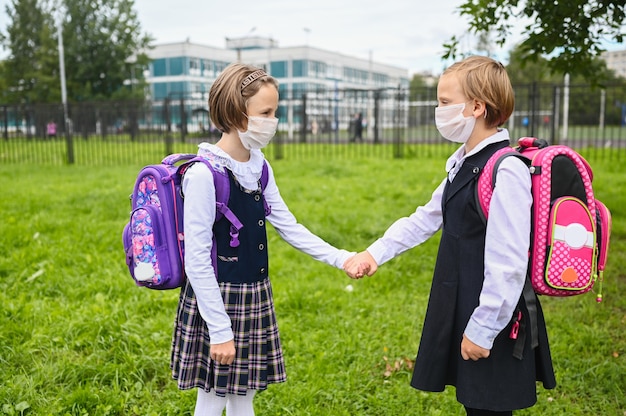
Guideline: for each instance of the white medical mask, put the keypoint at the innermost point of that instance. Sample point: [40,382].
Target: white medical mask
[260,132]
[451,123]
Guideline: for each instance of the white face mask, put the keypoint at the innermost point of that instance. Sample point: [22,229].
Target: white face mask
[451,123]
[260,132]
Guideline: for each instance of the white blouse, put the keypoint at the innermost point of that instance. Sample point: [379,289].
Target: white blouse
[199,216]
[506,245]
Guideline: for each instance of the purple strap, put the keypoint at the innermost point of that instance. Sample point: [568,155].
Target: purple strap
[222,193]
[235,224]
[177,157]
[264,180]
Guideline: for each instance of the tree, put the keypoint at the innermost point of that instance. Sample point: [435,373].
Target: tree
[522,70]
[421,82]
[31,70]
[103,44]
[422,97]
[535,88]
[568,34]
[104,47]
[3,82]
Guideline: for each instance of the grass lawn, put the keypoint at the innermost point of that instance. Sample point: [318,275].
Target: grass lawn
[77,337]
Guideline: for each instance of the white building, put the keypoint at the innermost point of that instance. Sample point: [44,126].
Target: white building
[184,72]
[616,60]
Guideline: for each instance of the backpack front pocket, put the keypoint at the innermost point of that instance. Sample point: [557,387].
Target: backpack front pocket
[150,261]
[571,243]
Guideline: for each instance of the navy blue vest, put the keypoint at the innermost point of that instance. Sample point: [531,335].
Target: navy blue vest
[248,262]
[500,382]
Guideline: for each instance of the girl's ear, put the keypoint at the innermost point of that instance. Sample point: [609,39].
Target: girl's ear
[243,124]
[479,109]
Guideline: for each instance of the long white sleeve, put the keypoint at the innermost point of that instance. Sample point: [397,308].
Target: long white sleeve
[506,245]
[199,216]
[506,252]
[296,234]
[408,232]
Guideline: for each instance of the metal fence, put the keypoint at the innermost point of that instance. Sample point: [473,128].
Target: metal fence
[395,123]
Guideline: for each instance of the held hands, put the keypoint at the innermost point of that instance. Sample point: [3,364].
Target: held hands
[362,264]
[223,353]
[471,351]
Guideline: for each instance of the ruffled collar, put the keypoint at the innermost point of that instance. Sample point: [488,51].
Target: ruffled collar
[247,173]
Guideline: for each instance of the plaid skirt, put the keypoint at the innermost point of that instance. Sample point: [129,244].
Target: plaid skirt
[259,357]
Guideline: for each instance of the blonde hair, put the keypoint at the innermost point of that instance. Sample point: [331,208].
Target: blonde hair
[229,94]
[486,79]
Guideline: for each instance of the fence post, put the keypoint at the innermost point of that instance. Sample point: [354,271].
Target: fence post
[565,133]
[397,148]
[533,109]
[5,112]
[26,119]
[168,127]
[336,112]
[183,120]
[555,114]
[69,140]
[376,116]
[277,143]
[133,122]
[304,122]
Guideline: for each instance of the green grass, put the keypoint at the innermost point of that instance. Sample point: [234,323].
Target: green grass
[77,337]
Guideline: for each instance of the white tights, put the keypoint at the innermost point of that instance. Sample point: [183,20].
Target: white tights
[210,404]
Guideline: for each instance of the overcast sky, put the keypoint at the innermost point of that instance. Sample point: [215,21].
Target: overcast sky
[405,33]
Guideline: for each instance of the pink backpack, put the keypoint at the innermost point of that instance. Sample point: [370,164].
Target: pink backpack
[153,238]
[570,227]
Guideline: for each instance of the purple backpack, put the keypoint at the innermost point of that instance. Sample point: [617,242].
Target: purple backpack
[154,238]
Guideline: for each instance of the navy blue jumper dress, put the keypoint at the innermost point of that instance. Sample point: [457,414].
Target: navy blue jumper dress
[500,382]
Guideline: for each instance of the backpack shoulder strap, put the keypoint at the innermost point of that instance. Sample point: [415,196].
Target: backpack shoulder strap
[220,178]
[222,188]
[487,178]
[222,194]
[264,180]
[264,175]
[484,192]
[174,158]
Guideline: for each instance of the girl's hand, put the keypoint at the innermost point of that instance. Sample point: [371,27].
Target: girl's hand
[362,264]
[223,353]
[471,351]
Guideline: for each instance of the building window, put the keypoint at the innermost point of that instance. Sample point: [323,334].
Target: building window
[300,68]
[283,90]
[318,69]
[176,66]
[194,66]
[159,67]
[333,72]
[160,90]
[299,88]
[207,68]
[176,89]
[279,69]
[219,67]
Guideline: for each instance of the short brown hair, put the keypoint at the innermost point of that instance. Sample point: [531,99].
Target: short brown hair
[229,94]
[485,79]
